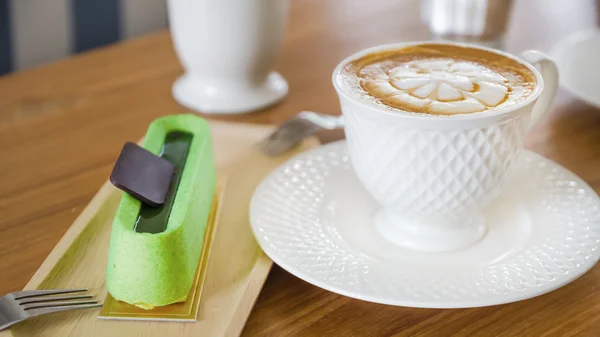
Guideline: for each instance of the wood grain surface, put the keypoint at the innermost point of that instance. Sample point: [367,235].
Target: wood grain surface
[62,126]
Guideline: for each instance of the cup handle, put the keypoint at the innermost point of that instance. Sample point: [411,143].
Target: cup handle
[549,72]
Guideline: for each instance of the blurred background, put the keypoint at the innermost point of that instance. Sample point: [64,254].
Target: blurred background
[33,32]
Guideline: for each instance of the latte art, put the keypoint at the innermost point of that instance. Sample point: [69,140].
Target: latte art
[441,83]
[446,86]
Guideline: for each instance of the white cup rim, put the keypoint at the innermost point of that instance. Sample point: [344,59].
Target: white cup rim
[431,117]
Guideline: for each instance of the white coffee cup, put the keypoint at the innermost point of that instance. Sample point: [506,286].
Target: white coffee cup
[228,50]
[433,174]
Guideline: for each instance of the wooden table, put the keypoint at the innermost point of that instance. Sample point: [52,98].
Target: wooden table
[62,125]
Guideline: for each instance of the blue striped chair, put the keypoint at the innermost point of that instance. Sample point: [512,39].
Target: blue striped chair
[33,32]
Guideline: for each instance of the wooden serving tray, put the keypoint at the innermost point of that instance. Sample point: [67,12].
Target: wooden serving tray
[237,267]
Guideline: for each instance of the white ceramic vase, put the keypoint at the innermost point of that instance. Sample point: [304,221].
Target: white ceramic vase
[228,49]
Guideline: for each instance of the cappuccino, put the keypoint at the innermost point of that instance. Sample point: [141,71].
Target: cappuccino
[438,79]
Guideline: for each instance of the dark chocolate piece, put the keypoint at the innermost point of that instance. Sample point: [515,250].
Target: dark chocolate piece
[175,149]
[142,174]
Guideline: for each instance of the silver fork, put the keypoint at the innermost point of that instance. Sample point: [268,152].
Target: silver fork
[21,305]
[293,131]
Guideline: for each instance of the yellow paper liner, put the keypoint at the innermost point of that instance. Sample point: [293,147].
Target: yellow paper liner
[181,312]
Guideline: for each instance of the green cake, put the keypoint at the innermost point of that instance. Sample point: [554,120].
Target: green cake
[150,269]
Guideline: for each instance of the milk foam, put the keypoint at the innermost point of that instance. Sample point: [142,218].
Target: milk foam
[437,79]
[444,85]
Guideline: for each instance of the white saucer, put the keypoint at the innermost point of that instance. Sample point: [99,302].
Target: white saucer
[577,59]
[314,219]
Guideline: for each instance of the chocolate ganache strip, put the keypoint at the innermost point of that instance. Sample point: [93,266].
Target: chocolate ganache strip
[175,149]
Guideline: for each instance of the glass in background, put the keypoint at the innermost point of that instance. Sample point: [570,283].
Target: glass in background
[482,22]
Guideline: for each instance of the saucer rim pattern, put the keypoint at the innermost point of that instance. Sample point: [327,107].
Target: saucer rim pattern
[336,154]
